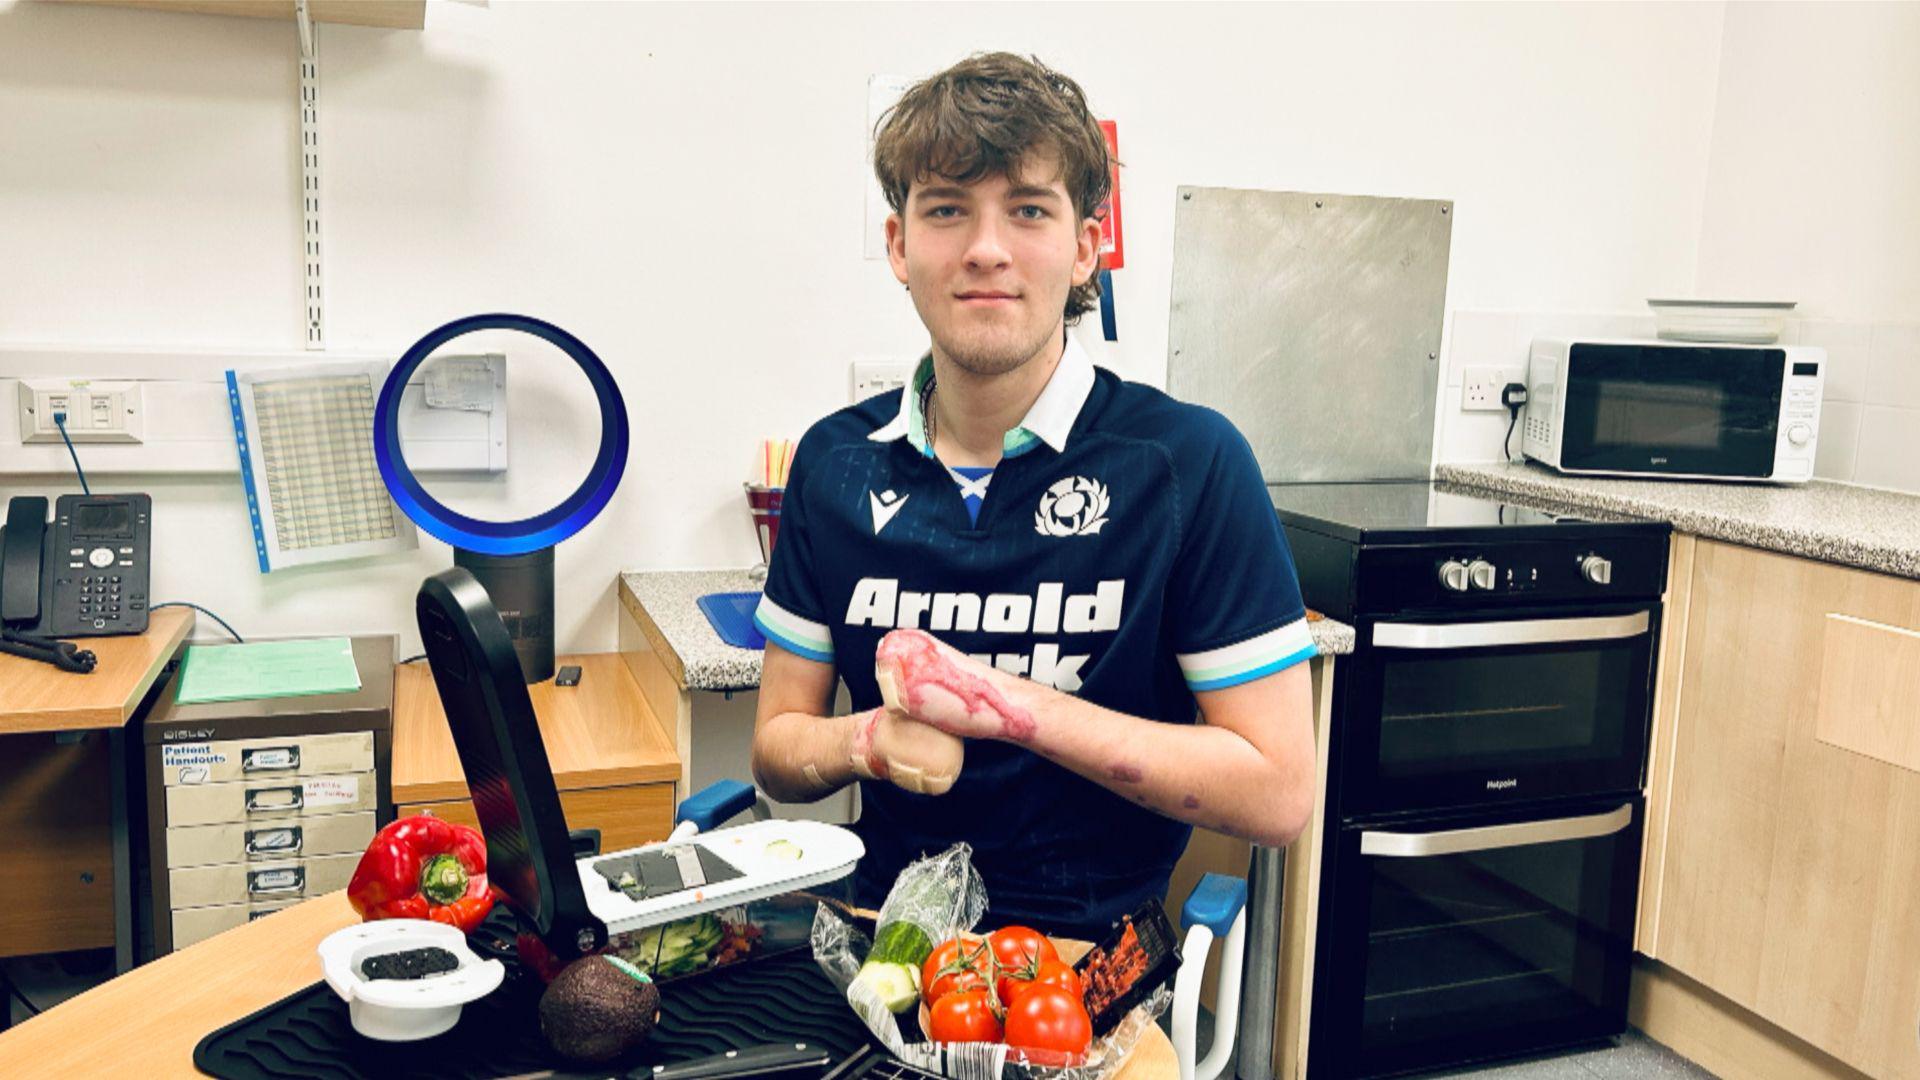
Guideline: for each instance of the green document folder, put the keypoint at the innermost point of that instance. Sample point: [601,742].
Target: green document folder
[264,669]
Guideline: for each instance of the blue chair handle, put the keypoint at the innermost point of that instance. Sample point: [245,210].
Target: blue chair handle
[1215,903]
[719,802]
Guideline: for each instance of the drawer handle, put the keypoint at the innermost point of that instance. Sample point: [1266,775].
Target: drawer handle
[1527,632]
[285,879]
[284,840]
[270,759]
[1396,845]
[256,798]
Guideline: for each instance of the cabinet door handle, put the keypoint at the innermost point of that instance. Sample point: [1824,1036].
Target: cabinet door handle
[1396,845]
[256,798]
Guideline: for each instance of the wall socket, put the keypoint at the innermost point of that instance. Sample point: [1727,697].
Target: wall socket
[872,377]
[96,411]
[1480,387]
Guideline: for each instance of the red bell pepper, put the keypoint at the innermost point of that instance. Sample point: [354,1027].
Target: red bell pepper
[423,867]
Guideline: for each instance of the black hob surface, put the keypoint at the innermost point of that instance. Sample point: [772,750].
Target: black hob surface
[1399,512]
[1379,548]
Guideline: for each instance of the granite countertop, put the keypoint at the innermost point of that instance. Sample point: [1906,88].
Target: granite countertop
[664,600]
[1845,524]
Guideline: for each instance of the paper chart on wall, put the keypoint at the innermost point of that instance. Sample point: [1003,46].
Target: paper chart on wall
[314,492]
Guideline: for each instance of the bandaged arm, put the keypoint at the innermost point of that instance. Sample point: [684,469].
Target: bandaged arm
[801,754]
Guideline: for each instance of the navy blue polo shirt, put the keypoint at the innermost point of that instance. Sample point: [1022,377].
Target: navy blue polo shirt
[1126,552]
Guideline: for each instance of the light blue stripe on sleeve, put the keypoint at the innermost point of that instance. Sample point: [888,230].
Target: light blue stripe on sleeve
[1305,653]
[791,643]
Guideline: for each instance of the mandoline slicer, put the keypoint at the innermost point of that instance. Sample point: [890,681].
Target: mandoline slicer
[577,905]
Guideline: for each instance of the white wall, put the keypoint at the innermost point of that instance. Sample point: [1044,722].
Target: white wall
[682,187]
[1813,195]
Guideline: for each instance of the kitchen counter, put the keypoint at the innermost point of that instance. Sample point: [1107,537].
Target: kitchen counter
[662,602]
[1843,524]
[147,1023]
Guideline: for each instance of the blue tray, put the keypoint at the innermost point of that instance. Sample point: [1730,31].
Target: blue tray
[731,614]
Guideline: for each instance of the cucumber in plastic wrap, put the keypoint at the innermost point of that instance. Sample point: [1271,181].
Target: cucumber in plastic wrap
[933,899]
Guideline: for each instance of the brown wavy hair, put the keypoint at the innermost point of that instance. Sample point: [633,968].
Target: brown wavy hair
[985,116]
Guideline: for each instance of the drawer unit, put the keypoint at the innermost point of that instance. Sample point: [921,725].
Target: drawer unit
[255,883]
[259,841]
[257,759]
[257,804]
[285,798]
[198,924]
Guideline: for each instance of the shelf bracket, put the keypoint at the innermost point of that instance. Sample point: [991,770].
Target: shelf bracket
[313,328]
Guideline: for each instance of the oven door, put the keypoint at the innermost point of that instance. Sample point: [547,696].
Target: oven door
[1689,410]
[1451,712]
[1457,940]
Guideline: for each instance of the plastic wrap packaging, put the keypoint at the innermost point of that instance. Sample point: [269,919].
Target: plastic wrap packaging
[840,948]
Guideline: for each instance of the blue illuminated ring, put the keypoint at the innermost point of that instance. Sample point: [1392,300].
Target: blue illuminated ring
[502,537]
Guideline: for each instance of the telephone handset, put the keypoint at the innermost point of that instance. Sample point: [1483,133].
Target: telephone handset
[84,574]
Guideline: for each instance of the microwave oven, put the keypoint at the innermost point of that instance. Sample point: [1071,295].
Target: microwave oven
[1674,409]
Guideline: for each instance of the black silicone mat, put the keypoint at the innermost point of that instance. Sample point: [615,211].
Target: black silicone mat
[780,997]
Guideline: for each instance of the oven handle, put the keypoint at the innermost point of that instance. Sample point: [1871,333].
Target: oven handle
[1395,845]
[1528,632]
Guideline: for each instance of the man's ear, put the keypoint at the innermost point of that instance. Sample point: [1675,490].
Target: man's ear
[897,247]
[1086,258]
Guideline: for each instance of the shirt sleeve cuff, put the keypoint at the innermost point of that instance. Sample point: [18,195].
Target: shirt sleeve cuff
[799,636]
[1253,658]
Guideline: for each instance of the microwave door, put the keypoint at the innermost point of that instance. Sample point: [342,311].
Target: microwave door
[1696,412]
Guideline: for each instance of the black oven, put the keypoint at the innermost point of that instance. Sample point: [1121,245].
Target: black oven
[1474,937]
[1496,709]
[1481,841]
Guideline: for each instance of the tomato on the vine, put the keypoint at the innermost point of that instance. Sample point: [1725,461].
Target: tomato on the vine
[1049,973]
[958,964]
[1050,1020]
[1019,951]
[964,1016]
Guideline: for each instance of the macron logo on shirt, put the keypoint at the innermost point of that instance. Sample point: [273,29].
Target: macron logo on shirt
[885,505]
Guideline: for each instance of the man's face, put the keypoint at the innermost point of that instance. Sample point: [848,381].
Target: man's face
[989,264]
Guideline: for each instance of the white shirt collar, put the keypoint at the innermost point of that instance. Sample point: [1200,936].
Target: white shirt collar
[1050,419]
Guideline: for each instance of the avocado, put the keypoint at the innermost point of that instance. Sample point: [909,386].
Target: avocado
[598,1009]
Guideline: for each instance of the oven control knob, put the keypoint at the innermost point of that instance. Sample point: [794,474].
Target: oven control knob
[1453,575]
[1799,434]
[1481,572]
[1597,569]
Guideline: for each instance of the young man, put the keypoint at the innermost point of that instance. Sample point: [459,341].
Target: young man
[1029,573]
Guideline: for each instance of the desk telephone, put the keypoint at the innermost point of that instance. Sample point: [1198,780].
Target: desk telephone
[84,574]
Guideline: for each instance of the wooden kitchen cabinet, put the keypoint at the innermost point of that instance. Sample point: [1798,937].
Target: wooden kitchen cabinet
[613,763]
[1783,851]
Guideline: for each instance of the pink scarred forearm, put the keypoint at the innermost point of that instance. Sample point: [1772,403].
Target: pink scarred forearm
[866,761]
[931,683]
[1201,773]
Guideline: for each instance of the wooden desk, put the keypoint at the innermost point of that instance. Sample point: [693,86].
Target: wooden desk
[147,1023]
[63,798]
[613,763]
[36,697]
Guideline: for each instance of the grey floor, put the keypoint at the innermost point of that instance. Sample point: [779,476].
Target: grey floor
[1632,1056]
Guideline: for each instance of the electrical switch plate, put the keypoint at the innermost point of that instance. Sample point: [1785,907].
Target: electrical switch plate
[1480,387]
[97,411]
[872,377]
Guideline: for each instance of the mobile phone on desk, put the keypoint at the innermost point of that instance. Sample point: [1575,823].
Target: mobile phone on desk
[569,675]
